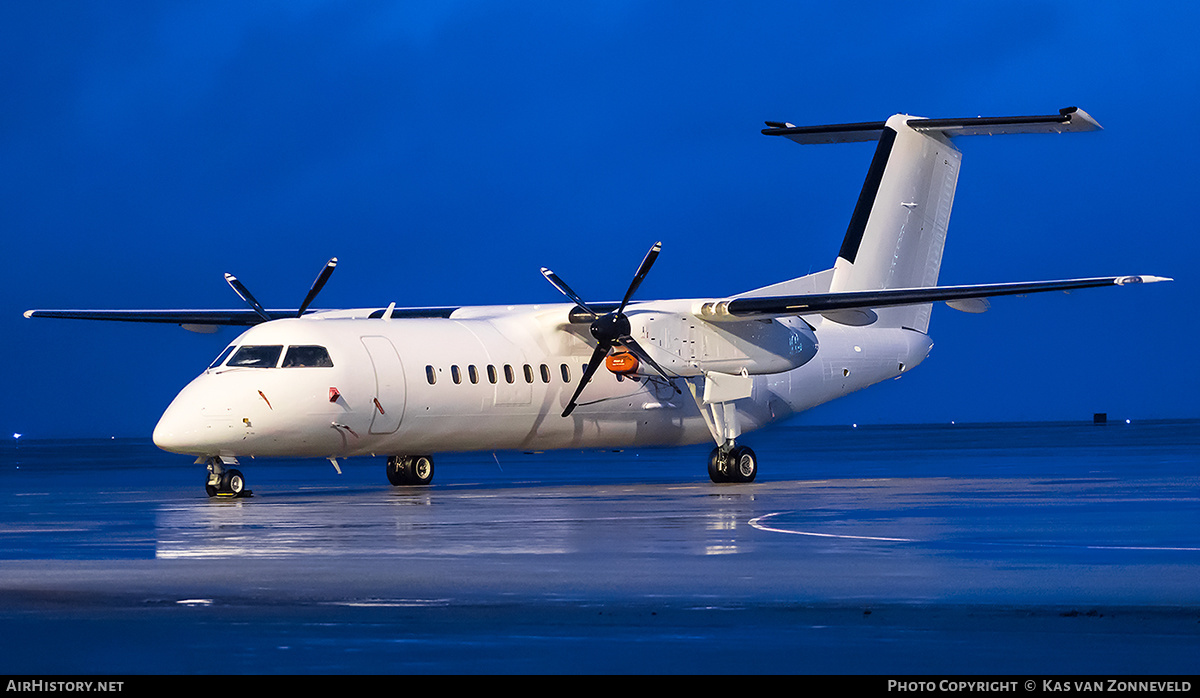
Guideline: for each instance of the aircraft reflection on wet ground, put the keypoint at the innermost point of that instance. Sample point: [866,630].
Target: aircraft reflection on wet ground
[912,549]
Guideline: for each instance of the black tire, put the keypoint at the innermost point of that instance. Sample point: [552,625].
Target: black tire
[409,470]
[717,467]
[397,470]
[743,465]
[232,482]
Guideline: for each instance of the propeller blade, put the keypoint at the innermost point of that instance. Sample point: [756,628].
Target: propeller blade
[564,289]
[317,285]
[644,269]
[244,294]
[593,364]
[632,345]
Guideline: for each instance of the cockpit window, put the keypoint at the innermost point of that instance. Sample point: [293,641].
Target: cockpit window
[265,356]
[306,356]
[220,359]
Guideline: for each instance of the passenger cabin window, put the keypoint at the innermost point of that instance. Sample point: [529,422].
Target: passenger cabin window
[430,375]
[508,374]
[473,373]
[265,356]
[221,359]
[545,373]
[566,373]
[307,356]
[491,374]
[528,373]
[455,375]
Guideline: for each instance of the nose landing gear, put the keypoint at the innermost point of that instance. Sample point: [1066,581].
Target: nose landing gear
[225,482]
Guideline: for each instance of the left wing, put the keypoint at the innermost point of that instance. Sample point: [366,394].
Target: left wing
[201,320]
[175,317]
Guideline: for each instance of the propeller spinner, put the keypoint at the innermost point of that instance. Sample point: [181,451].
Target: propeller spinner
[610,329]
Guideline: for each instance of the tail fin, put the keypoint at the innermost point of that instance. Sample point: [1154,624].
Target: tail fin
[898,229]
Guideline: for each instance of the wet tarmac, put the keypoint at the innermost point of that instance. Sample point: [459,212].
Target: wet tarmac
[1011,549]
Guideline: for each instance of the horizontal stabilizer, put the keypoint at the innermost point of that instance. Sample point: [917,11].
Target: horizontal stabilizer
[1068,120]
[831,133]
[827,303]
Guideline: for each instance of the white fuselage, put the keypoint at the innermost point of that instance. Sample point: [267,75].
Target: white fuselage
[496,378]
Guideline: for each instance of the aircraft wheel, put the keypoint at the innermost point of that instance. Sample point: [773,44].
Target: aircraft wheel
[743,465]
[210,490]
[397,470]
[409,470]
[421,470]
[718,467]
[233,483]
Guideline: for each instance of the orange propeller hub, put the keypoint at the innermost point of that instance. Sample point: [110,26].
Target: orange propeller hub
[622,363]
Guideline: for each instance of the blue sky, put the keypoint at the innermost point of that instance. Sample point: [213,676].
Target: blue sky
[444,151]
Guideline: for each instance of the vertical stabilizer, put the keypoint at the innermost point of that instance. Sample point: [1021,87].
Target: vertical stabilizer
[898,229]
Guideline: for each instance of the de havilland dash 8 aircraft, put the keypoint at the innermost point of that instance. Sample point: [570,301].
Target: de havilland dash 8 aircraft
[409,383]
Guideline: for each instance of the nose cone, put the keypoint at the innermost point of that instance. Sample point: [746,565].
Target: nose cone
[175,432]
[183,428]
[166,434]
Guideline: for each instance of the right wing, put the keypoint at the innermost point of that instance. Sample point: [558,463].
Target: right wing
[813,303]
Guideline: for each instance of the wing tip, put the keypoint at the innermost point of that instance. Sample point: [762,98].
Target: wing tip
[1142,279]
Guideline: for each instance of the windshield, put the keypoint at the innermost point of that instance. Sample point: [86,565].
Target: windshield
[306,356]
[220,359]
[265,356]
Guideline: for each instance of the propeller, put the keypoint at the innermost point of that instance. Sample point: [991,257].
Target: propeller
[610,329]
[317,285]
[244,293]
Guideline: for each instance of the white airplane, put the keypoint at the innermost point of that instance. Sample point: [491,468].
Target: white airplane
[406,383]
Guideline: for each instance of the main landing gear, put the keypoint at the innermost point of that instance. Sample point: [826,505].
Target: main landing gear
[730,463]
[409,470]
[225,482]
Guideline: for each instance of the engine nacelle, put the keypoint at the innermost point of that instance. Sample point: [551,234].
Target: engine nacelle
[689,346]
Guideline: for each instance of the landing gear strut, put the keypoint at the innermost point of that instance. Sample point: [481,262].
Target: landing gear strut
[409,470]
[716,395]
[730,463]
